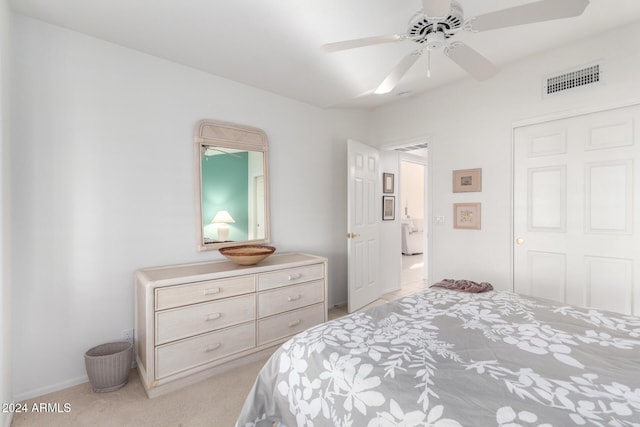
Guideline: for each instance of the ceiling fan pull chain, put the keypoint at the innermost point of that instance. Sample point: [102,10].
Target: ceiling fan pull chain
[428,62]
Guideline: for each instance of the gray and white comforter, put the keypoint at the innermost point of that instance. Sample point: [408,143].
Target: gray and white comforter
[447,358]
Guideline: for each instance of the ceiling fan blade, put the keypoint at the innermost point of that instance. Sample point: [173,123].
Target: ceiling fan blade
[544,10]
[367,41]
[436,8]
[398,72]
[470,61]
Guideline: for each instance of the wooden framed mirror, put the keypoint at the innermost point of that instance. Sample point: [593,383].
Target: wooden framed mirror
[232,185]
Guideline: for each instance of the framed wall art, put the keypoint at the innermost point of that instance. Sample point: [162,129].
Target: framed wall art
[387,183]
[467,180]
[388,208]
[467,216]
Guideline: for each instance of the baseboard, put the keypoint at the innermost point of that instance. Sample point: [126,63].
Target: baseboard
[391,289]
[50,388]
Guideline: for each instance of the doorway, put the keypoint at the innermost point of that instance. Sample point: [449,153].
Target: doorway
[375,260]
[413,219]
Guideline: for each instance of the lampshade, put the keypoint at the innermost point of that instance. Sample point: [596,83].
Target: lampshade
[222,217]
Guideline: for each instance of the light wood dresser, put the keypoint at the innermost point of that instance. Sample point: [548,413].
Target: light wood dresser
[195,320]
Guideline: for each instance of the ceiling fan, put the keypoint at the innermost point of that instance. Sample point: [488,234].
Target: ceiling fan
[439,20]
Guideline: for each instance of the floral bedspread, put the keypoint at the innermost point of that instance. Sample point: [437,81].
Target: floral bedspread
[447,358]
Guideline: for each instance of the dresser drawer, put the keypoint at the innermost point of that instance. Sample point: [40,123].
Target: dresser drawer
[289,298]
[290,323]
[290,276]
[196,319]
[192,293]
[192,352]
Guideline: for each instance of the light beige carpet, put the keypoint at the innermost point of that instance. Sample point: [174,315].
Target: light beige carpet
[213,402]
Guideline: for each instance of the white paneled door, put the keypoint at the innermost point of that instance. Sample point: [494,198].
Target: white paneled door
[577,210]
[364,211]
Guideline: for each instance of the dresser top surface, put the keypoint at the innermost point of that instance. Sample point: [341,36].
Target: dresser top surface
[195,272]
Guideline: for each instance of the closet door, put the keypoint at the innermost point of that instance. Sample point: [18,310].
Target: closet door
[577,210]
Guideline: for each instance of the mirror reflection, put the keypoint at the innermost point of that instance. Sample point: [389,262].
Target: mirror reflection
[232,184]
[233,194]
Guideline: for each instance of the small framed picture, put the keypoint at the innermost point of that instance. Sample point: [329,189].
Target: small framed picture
[387,183]
[388,208]
[467,180]
[467,216]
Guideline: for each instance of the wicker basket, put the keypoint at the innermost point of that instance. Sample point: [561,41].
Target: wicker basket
[108,365]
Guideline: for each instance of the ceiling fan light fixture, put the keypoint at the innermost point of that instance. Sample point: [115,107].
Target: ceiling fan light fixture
[435,40]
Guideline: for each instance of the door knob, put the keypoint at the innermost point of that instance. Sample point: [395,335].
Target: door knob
[352,235]
[519,241]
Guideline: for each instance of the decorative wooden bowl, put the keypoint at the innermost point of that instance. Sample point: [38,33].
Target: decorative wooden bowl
[247,254]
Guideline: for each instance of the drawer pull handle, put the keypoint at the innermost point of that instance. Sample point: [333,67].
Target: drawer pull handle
[295,323]
[212,316]
[212,347]
[294,297]
[295,276]
[212,291]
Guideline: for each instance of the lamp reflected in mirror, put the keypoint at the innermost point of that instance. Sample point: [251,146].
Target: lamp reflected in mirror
[223,219]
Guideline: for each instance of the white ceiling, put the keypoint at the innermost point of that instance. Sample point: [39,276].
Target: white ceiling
[275,44]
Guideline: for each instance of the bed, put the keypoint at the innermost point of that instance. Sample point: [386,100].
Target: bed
[448,358]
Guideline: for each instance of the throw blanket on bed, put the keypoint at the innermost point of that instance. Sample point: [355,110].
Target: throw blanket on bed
[443,358]
[463,285]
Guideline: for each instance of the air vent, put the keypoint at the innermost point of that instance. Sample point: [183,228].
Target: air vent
[413,147]
[582,76]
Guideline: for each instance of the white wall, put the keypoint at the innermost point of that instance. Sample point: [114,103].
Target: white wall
[6,385]
[470,127]
[103,184]
[390,272]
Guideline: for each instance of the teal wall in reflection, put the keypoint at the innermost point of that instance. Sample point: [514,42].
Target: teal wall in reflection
[225,187]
